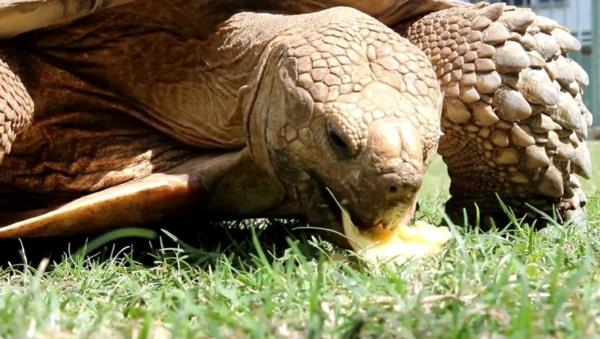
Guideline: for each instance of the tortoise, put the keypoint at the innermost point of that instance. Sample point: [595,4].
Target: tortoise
[123,112]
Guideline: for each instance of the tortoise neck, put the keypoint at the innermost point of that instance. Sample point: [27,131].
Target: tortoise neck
[182,83]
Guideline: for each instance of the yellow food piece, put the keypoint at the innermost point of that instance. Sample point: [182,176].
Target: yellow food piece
[401,244]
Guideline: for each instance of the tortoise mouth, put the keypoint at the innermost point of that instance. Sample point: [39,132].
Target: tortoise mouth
[333,206]
[383,224]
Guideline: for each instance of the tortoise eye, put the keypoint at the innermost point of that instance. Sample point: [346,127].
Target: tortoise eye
[337,141]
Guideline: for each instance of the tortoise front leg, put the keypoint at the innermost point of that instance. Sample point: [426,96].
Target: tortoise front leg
[16,106]
[513,121]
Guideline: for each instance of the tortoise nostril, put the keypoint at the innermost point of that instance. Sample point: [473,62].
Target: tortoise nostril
[393,189]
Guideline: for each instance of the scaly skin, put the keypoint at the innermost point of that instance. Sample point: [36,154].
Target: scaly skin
[513,120]
[16,106]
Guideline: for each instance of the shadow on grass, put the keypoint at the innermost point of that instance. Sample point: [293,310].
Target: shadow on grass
[196,238]
[204,240]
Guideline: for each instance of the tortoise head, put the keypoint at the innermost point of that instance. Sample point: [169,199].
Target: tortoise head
[359,118]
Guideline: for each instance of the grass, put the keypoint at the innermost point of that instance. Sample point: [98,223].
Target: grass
[517,283]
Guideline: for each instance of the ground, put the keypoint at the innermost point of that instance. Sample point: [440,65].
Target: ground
[516,283]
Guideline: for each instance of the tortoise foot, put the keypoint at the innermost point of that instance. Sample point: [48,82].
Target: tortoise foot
[487,213]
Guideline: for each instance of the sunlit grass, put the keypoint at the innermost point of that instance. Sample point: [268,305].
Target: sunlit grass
[517,283]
